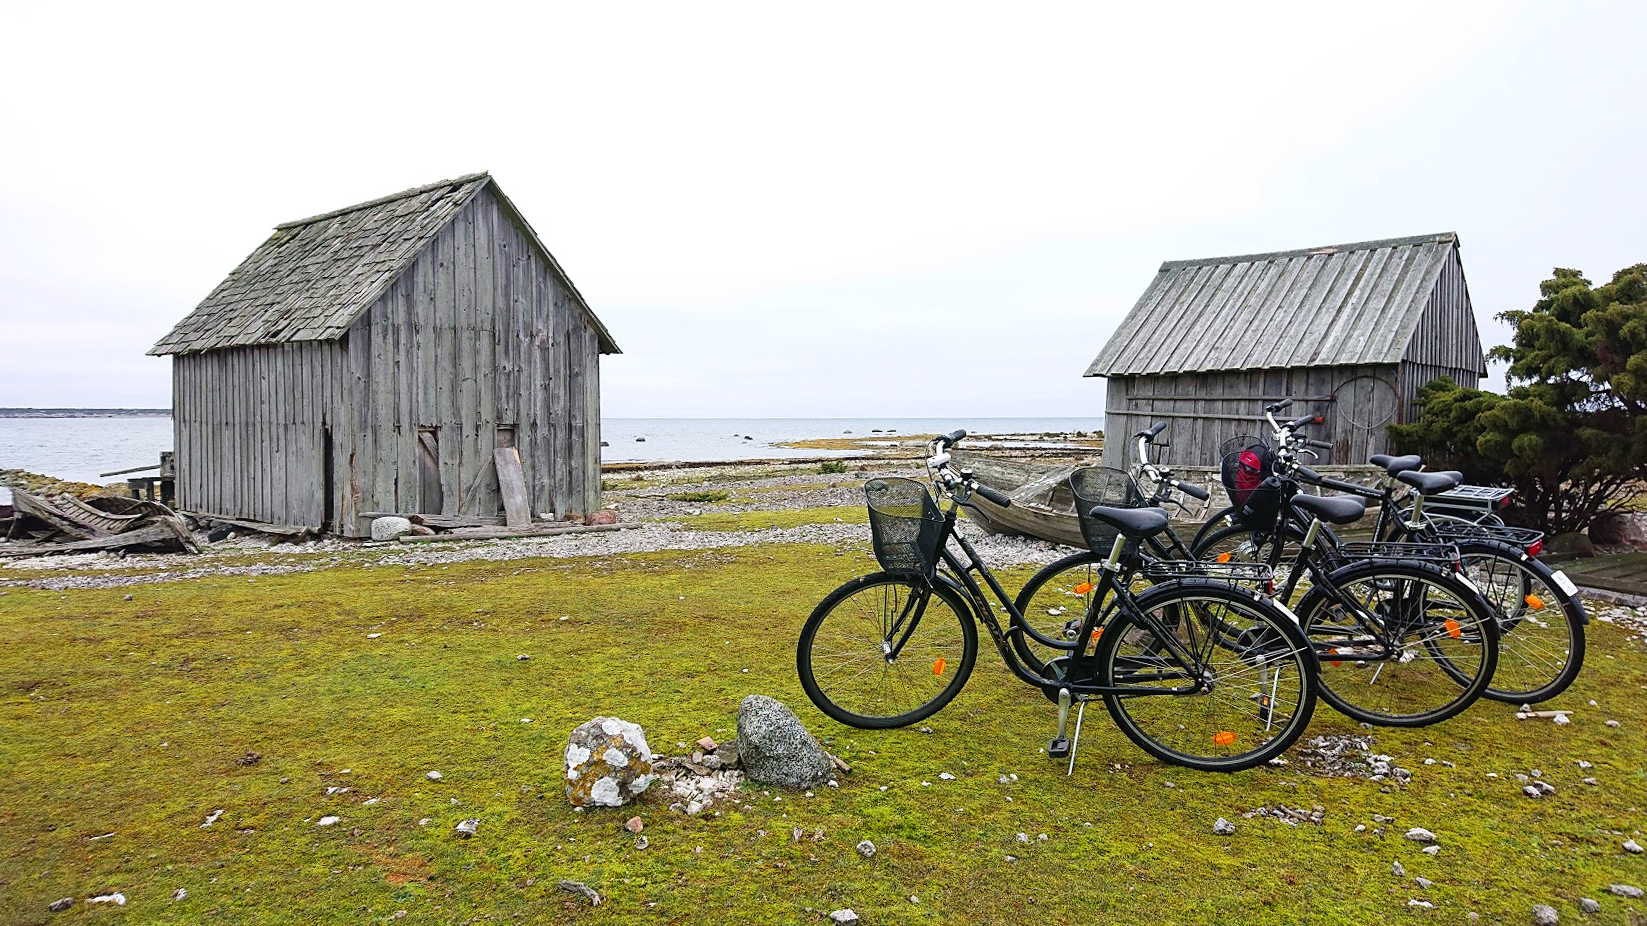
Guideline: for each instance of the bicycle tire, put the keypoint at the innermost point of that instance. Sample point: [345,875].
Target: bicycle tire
[1260,675]
[1218,520]
[1540,647]
[1422,648]
[843,654]
[1053,603]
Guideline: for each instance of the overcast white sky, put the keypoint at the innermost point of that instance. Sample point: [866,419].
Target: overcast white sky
[888,209]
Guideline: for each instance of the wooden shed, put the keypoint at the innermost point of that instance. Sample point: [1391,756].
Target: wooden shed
[373,359]
[1349,331]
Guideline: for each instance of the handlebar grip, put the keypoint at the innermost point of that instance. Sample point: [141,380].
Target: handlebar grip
[992,495]
[953,437]
[1153,432]
[1306,474]
[1195,492]
[1299,422]
[1284,403]
[1318,444]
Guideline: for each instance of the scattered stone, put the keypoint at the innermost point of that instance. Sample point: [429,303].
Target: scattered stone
[1420,834]
[1532,792]
[707,744]
[1612,723]
[1625,890]
[634,825]
[467,828]
[1398,869]
[522,657]
[844,917]
[212,818]
[1560,720]
[1588,905]
[578,887]
[1431,850]
[1223,827]
[1023,838]
[1545,915]
[1633,847]
[1359,828]
[390,528]
[327,821]
[435,776]
[127,598]
[116,898]
[249,759]
[607,763]
[1583,764]
[776,749]
[1422,904]
[1591,781]
[866,849]
[1424,883]
[58,906]
[945,776]
[180,894]
[1546,787]
[641,842]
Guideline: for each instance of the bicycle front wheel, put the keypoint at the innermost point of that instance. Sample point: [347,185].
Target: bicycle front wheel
[1233,688]
[1401,644]
[886,651]
[1540,626]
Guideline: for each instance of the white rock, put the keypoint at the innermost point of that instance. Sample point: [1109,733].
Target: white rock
[117,898]
[1431,850]
[945,776]
[844,917]
[1545,915]
[865,849]
[327,821]
[435,776]
[467,828]
[390,528]
[1423,904]
[1420,834]
[1630,845]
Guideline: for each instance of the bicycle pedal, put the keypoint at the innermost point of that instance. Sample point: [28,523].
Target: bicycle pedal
[1058,748]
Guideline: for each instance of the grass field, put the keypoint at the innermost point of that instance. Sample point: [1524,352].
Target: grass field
[125,724]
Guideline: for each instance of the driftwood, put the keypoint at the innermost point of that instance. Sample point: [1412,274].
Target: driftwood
[294,531]
[132,524]
[1540,715]
[505,533]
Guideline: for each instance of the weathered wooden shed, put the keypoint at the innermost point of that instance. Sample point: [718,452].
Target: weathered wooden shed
[372,359]
[1349,331]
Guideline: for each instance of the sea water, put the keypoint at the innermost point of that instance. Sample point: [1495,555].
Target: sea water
[80,449]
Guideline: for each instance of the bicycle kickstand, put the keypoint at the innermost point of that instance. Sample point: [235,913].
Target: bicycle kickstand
[1059,747]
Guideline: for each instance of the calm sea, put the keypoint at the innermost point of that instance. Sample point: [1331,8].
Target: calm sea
[81,448]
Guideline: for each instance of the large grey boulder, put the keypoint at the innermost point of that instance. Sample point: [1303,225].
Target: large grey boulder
[607,763]
[389,528]
[776,749]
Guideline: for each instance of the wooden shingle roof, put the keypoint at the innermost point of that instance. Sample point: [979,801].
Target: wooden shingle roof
[1343,304]
[313,277]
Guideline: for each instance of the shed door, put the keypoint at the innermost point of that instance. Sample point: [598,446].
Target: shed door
[430,497]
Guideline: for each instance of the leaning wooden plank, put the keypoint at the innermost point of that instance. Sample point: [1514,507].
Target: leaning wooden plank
[40,508]
[517,511]
[284,530]
[494,534]
[154,533]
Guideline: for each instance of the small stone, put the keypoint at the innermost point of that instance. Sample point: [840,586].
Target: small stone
[1545,915]
[180,894]
[327,821]
[1560,720]
[1546,787]
[467,828]
[844,917]
[1591,781]
[641,842]
[212,818]
[634,825]
[58,906]
[1625,890]
[1532,792]
[1399,870]
[522,657]
[926,729]
[435,776]
[945,776]
[1424,883]
[1583,764]
[1422,904]
[866,849]
[708,744]
[1223,827]
[116,898]
[127,598]
[1420,834]
[1431,850]
[1612,723]
[1023,837]
[1589,905]
[1633,847]
[1360,828]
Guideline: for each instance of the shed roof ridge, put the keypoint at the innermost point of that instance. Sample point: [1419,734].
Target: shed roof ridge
[1326,249]
[392,197]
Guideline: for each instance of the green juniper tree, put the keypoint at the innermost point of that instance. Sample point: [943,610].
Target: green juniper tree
[1571,434]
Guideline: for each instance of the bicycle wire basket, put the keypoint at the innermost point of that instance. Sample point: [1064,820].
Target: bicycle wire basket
[1244,469]
[904,525]
[1112,488]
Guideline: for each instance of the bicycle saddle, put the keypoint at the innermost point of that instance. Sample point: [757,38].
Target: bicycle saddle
[1133,522]
[1394,465]
[1430,483]
[1334,509]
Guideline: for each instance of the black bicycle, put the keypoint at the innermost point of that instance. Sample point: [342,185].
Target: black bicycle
[1404,637]
[1195,670]
[1540,617]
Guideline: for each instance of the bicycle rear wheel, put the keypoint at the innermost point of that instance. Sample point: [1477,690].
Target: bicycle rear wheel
[1400,644]
[1054,602]
[1242,677]
[1540,625]
[886,651]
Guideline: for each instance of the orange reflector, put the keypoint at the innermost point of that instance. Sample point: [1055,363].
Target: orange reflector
[1083,588]
[1453,629]
[1333,652]
[1535,602]
[1223,557]
[938,667]
[1097,633]
[1223,739]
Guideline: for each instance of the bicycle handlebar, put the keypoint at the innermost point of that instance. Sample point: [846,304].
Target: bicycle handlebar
[938,465]
[1195,492]
[1318,444]
[991,494]
[952,438]
[1153,432]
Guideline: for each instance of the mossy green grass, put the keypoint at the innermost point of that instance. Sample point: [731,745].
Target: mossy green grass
[125,724]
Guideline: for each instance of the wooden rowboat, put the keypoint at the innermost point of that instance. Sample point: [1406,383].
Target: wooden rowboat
[1042,507]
